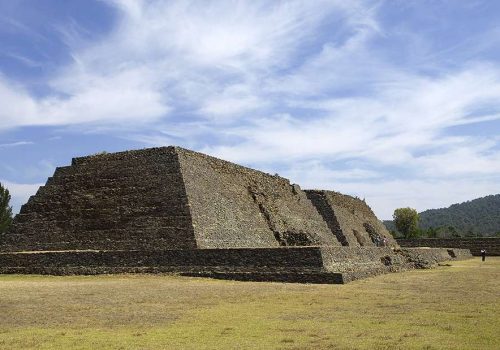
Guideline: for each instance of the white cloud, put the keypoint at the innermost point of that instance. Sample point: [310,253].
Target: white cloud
[121,97]
[15,144]
[209,57]
[232,101]
[390,127]
[236,34]
[17,107]
[467,158]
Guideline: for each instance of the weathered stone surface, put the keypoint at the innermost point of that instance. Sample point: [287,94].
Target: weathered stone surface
[491,244]
[164,198]
[423,258]
[285,264]
[173,210]
[234,206]
[350,219]
[121,201]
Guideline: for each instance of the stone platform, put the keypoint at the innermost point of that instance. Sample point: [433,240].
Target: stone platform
[491,244]
[292,264]
[173,210]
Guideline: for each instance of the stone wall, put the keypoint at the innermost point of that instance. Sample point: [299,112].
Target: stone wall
[234,206]
[351,219]
[257,259]
[294,264]
[284,264]
[425,257]
[492,245]
[126,200]
[347,259]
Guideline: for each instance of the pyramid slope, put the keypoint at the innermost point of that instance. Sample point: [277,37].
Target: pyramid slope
[350,219]
[234,206]
[164,198]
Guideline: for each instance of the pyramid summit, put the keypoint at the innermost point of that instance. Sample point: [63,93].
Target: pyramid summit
[172,209]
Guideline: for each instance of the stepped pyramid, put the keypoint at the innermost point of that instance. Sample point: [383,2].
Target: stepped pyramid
[171,209]
[165,198]
[350,219]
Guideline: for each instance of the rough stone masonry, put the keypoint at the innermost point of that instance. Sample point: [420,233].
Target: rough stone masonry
[169,209]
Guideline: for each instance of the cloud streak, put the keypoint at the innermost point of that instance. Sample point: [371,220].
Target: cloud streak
[15,144]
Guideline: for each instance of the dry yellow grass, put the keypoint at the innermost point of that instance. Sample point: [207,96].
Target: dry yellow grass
[451,307]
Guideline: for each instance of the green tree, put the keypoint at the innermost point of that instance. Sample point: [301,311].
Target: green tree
[433,232]
[5,209]
[452,232]
[406,221]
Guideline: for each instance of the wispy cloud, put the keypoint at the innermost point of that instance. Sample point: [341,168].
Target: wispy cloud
[23,59]
[210,59]
[15,144]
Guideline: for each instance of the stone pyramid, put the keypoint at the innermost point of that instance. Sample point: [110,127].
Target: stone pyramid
[174,210]
[165,198]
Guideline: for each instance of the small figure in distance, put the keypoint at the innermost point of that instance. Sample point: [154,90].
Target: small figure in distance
[385,241]
[483,254]
[377,241]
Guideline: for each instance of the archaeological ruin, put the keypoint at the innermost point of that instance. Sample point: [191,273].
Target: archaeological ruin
[172,210]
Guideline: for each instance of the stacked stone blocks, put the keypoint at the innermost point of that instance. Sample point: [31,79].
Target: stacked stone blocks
[490,244]
[172,210]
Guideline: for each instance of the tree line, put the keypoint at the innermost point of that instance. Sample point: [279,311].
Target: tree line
[477,218]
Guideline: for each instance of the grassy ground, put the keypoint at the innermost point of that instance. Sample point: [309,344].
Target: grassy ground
[451,307]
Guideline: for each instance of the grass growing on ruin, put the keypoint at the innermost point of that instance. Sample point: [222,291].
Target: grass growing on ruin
[451,307]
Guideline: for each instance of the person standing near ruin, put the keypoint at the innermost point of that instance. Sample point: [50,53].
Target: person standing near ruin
[483,254]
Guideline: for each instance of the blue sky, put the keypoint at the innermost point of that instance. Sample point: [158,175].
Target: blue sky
[394,101]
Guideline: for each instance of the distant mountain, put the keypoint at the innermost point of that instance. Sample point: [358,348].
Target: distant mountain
[480,216]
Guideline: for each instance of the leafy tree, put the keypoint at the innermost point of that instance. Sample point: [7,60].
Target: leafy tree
[433,232]
[5,209]
[406,221]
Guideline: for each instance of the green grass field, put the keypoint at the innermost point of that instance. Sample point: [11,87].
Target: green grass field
[451,307]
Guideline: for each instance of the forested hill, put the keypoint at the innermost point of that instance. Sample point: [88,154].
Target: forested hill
[480,216]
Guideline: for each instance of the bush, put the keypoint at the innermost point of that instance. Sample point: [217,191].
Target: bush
[5,209]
